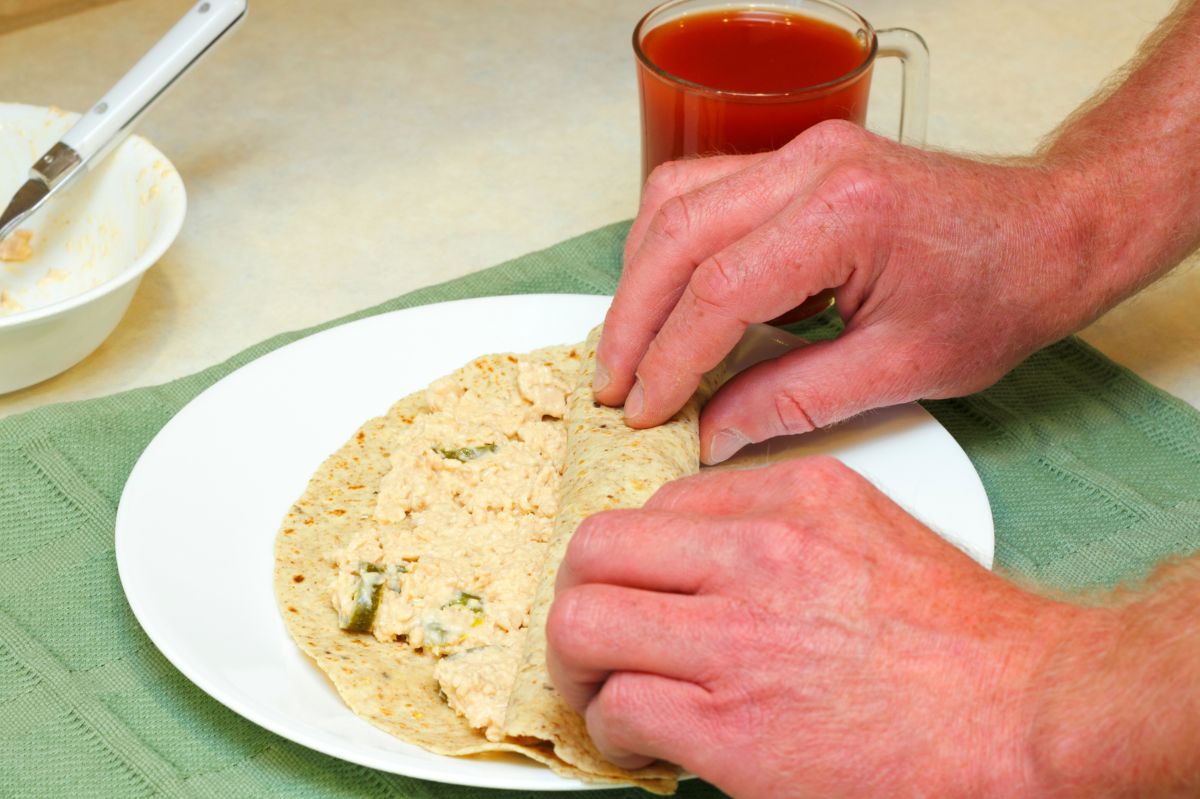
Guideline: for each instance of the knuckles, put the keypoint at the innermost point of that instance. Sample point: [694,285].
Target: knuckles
[622,698]
[831,134]
[665,180]
[571,622]
[674,496]
[673,221]
[715,282]
[820,477]
[776,546]
[859,186]
[684,494]
[590,543]
[830,142]
[631,710]
[618,718]
[792,412]
[858,166]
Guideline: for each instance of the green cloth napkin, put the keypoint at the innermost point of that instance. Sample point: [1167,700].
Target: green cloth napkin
[1093,477]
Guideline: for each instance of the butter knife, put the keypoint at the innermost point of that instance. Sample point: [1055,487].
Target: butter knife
[109,121]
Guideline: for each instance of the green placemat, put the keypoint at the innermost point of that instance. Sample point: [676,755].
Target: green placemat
[1093,476]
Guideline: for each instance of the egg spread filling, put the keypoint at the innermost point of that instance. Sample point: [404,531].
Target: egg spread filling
[450,563]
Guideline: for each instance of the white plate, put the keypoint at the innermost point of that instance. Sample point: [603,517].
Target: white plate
[197,520]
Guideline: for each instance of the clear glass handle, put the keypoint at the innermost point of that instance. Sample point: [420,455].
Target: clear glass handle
[910,48]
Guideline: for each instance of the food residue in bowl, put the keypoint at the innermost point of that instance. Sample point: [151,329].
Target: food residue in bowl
[17,247]
[99,232]
[38,268]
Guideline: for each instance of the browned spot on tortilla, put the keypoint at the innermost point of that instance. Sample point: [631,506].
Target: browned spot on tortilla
[299,578]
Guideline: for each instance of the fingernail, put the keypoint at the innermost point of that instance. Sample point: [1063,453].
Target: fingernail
[725,444]
[636,399]
[600,378]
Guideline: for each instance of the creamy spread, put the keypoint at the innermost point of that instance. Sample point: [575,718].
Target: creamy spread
[476,683]
[8,303]
[16,246]
[451,562]
[52,276]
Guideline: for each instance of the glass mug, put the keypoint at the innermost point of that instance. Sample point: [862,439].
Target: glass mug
[716,77]
[720,77]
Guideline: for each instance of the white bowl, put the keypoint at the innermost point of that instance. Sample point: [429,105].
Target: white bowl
[91,243]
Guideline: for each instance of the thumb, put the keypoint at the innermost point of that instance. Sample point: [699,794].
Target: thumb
[808,388]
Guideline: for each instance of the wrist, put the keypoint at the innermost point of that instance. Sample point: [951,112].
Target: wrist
[1107,251]
[1066,701]
[1114,705]
[1129,218]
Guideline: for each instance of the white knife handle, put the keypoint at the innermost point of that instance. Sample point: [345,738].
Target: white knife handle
[107,123]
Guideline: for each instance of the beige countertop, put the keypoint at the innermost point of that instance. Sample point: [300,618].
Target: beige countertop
[338,154]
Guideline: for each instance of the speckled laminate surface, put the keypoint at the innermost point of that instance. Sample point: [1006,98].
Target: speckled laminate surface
[336,154]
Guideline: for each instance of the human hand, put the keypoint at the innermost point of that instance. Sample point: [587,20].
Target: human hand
[947,272]
[790,631]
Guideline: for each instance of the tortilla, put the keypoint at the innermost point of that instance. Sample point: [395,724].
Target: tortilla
[609,465]
[393,686]
[389,685]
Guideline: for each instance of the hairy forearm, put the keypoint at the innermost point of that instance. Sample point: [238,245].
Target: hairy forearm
[1115,704]
[1118,699]
[1131,158]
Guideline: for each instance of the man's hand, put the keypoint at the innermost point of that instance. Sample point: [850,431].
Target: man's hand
[790,631]
[947,272]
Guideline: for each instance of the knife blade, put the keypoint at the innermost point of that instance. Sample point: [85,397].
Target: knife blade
[110,120]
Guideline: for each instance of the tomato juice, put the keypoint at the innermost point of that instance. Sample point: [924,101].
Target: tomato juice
[745,80]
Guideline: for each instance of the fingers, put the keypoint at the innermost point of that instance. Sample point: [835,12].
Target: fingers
[812,245]
[809,388]
[720,493]
[738,499]
[639,718]
[682,231]
[680,177]
[651,550]
[595,630]
[683,540]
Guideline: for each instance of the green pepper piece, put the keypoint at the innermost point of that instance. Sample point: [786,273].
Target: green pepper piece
[364,600]
[464,454]
[435,632]
[471,602]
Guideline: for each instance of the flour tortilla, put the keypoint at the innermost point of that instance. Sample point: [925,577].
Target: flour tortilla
[388,685]
[608,465]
